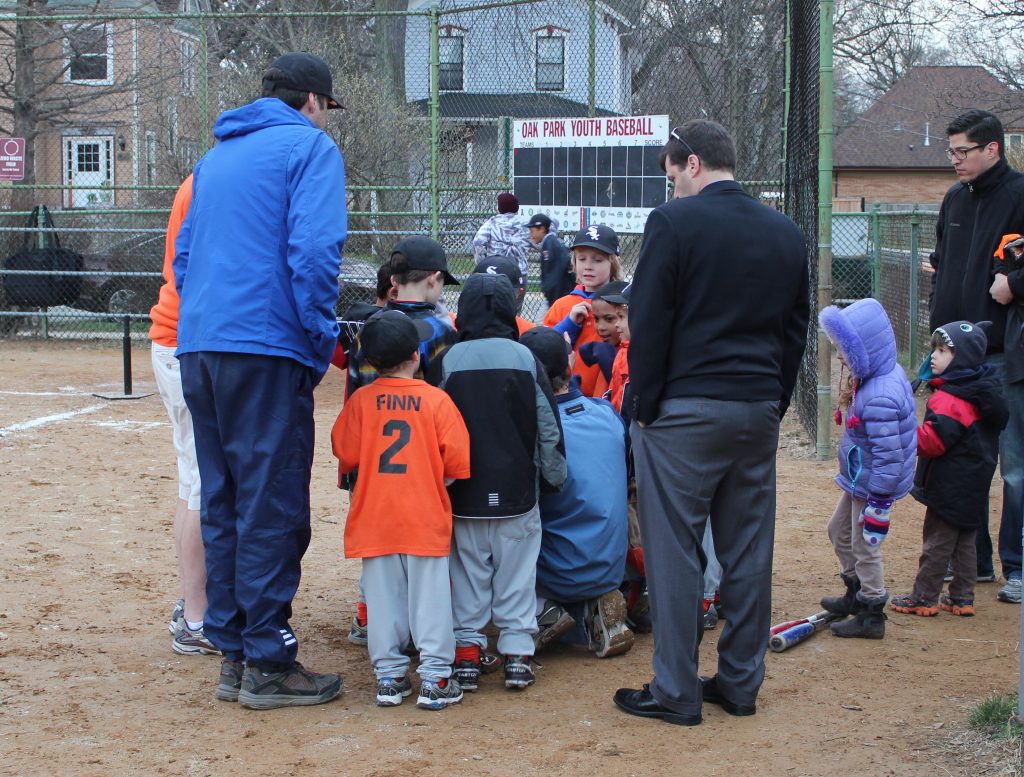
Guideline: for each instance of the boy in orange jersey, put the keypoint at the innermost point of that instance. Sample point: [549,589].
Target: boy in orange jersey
[408,441]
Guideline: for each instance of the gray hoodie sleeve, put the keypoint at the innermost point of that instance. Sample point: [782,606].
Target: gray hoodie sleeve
[550,455]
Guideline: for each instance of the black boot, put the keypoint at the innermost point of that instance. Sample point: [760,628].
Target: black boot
[868,620]
[843,605]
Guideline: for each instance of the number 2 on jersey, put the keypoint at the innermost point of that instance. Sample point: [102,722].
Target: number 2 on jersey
[391,428]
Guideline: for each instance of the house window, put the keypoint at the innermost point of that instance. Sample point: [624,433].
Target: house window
[150,158]
[1014,141]
[188,68]
[451,62]
[550,63]
[88,54]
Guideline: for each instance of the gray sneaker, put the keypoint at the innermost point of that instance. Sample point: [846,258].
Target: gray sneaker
[177,615]
[434,697]
[1010,592]
[392,690]
[230,681]
[358,634]
[192,643]
[294,687]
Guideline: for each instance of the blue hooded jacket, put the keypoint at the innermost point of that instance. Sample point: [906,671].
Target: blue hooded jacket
[878,451]
[258,255]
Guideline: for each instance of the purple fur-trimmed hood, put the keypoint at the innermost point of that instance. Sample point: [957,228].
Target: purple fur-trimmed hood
[864,336]
[878,451]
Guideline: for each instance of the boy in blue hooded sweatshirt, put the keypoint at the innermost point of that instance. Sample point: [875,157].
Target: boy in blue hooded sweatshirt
[958,444]
[876,459]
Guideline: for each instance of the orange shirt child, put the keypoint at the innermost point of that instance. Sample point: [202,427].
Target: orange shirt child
[620,375]
[406,437]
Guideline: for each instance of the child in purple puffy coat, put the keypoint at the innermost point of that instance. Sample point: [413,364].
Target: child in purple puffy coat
[877,456]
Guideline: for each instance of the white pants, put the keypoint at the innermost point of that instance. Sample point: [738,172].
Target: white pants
[168,382]
[409,597]
[494,577]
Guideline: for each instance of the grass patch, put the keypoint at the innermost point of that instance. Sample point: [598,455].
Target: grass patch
[996,717]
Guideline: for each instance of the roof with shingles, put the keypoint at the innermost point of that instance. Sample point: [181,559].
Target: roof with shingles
[532,105]
[906,127]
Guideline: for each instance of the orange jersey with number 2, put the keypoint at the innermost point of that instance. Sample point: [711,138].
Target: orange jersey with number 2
[406,437]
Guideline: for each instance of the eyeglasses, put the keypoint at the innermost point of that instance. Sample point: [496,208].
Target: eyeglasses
[676,136]
[960,154]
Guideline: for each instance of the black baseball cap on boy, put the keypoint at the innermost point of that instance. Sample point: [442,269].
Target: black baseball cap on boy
[550,348]
[539,220]
[598,236]
[389,338]
[420,252]
[613,292]
[304,73]
[500,265]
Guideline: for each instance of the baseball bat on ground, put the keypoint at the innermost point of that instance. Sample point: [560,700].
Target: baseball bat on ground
[786,635]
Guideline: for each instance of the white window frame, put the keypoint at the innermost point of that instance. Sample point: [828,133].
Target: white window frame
[189,6]
[549,31]
[189,50]
[108,33]
[451,32]
[1014,140]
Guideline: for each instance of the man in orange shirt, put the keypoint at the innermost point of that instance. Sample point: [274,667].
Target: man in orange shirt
[408,441]
[187,619]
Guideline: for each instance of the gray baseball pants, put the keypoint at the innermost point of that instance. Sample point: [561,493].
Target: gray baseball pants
[494,578]
[708,459]
[409,597]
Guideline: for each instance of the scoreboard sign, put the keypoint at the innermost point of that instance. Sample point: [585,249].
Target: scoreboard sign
[590,171]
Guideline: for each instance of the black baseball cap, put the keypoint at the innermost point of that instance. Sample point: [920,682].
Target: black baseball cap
[598,236]
[389,337]
[539,220]
[420,252]
[304,73]
[550,348]
[500,265]
[613,292]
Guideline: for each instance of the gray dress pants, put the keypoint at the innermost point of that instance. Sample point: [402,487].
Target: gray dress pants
[707,459]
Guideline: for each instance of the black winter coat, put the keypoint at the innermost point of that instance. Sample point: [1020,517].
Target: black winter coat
[957,446]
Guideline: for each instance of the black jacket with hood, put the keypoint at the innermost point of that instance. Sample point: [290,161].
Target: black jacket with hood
[972,221]
[505,398]
[957,445]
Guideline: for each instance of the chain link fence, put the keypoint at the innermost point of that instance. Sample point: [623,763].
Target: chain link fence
[884,254]
[115,109]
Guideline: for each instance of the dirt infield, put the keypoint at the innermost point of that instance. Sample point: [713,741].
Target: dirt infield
[89,684]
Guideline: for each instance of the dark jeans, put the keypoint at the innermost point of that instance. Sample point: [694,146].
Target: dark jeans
[253,420]
[945,544]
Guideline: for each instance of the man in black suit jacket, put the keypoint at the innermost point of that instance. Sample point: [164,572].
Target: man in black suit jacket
[718,313]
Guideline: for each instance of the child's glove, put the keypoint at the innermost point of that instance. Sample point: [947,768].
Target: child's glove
[875,518]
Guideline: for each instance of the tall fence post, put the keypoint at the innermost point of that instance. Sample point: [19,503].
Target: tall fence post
[915,277]
[592,60]
[876,250]
[823,433]
[435,124]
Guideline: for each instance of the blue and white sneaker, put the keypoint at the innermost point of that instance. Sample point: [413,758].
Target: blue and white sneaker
[1010,592]
[435,697]
[392,690]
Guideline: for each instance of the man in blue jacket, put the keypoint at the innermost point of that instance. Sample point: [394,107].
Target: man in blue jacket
[256,266]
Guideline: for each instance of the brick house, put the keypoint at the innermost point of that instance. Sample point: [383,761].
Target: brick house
[895,152]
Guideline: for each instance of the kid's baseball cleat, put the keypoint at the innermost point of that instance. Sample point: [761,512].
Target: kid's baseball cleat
[467,673]
[519,672]
[552,624]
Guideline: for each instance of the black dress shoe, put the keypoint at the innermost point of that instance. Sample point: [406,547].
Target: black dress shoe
[709,691]
[644,704]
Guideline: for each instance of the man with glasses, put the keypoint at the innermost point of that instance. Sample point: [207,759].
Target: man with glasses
[256,266]
[971,285]
[718,312]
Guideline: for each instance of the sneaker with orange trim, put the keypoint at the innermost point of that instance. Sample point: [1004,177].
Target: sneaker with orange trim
[911,605]
[958,606]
